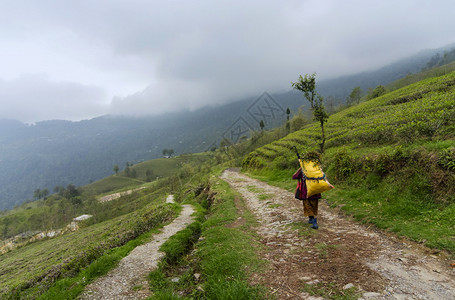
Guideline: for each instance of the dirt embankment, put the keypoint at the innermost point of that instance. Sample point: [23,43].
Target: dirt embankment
[341,256]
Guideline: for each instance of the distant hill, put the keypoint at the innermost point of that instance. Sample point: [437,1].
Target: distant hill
[57,153]
[341,87]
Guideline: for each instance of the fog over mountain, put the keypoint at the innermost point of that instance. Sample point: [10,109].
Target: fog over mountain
[80,59]
[139,76]
[52,153]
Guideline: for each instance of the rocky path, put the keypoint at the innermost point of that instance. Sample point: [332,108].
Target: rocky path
[342,257]
[129,279]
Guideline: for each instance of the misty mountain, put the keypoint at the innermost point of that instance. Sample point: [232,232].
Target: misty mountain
[57,153]
[341,87]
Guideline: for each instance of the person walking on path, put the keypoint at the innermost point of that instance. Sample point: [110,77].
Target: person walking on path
[310,204]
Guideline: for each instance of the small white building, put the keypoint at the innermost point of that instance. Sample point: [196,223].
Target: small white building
[82,218]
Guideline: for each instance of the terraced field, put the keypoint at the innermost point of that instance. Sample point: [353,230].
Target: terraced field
[391,158]
[422,111]
[29,270]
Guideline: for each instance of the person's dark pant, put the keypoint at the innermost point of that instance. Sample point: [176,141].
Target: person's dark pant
[310,207]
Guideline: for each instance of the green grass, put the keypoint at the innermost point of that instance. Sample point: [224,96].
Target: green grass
[181,243]
[275,205]
[255,189]
[176,251]
[265,196]
[280,178]
[223,258]
[324,248]
[331,291]
[225,251]
[399,207]
[303,229]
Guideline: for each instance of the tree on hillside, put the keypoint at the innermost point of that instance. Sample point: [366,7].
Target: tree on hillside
[433,62]
[307,85]
[116,169]
[355,96]
[288,124]
[168,152]
[261,124]
[378,91]
[148,175]
[225,143]
[6,223]
[330,101]
[59,189]
[44,193]
[298,121]
[127,170]
[39,194]
[71,191]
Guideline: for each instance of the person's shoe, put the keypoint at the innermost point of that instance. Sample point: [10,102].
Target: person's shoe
[310,220]
[315,224]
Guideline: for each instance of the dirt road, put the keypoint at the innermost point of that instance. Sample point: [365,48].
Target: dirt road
[129,279]
[342,257]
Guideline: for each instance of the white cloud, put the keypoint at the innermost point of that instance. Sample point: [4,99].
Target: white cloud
[159,56]
[32,98]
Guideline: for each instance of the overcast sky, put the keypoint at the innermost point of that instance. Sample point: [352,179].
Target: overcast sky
[77,59]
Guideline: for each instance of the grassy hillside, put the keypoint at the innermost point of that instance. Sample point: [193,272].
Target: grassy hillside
[413,78]
[31,269]
[158,168]
[58,210]
[164,167]
[392,160]
[60,266]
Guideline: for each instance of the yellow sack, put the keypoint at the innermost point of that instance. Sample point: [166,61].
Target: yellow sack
[316,182]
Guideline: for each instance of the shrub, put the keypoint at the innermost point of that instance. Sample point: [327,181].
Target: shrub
[284,163]
[343,164]
[447,159]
